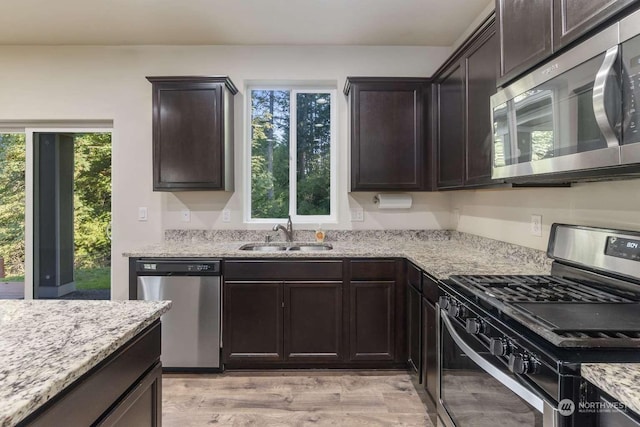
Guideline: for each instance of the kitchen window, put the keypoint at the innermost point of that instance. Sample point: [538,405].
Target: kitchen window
[292,154]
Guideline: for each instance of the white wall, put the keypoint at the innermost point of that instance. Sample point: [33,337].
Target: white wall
[505,214]
[108,83]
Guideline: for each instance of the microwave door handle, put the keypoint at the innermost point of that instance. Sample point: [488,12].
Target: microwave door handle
[599,91]
[528,394]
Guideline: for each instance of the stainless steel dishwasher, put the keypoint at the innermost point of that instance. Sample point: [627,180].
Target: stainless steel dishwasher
[191,329]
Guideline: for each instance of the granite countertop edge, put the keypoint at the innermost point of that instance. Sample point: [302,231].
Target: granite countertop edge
[620,380]
[13,412]
[439,258]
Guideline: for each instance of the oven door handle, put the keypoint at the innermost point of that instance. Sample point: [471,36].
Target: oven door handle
[530,395]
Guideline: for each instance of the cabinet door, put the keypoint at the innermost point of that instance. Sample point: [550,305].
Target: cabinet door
[451,124]
[252,328]
[372,320]
[188,136]
[387,136]
[414,326]
[573,18]
[140,407]
[482,69]
[313,321]
[430,351]
[524,28]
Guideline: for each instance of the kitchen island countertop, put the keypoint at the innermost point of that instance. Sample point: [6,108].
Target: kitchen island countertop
[620,380]
[45,345]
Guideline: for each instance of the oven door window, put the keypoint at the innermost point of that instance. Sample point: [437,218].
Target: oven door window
[471,396]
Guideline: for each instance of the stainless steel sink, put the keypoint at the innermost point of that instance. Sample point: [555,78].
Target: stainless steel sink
[304,247]
[311,247]
[263,248]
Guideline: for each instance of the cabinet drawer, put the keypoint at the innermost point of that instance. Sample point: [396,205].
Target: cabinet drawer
[283,270]
[430,288]
[414,276]
[383,269]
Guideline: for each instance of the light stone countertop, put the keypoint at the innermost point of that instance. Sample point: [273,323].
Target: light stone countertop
[45,345]
[440,258]
[620,380]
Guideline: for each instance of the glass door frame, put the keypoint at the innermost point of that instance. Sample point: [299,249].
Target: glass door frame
[29,130]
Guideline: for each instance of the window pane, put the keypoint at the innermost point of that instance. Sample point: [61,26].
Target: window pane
[313,141]
[269,153]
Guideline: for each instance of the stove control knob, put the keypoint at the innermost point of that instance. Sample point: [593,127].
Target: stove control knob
[444,302]
[499,347]
[520,364]
[454,310]
[474,325]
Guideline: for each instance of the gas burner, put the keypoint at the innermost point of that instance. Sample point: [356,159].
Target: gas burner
[566,312]
[515,289]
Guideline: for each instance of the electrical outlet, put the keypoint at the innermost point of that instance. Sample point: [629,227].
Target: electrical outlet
[357,214]
[456,218]
[226,215]
[185,215]
[142,213]
[536,225]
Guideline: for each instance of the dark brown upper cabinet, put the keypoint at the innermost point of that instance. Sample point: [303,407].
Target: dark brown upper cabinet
[573,18]
[481,61]
[451,121]
[192,133]
[463,88]
[530,31]
[388,135]
[524,28]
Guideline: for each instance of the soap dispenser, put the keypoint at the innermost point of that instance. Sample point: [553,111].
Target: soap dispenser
[319,234]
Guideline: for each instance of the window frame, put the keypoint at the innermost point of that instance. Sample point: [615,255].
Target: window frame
[293,182]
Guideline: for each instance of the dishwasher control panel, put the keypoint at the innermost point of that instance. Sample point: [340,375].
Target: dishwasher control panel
[178,266]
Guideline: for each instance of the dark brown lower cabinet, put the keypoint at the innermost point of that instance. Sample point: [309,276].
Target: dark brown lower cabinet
[282,321]
[253,321]
[313,321]
[345,313]
[123,390]
[430,352]
[372,321]
[414,326]
[430,293]
[140,406]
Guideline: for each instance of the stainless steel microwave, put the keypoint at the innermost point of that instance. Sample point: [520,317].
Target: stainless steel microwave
[574,113]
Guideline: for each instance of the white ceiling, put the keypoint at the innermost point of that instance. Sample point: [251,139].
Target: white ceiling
[247,22]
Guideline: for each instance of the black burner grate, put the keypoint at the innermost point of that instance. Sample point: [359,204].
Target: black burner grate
[513,289]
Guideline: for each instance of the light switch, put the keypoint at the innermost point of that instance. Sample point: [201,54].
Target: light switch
[185,215]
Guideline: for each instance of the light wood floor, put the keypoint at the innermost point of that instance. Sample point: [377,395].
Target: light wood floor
[300,398]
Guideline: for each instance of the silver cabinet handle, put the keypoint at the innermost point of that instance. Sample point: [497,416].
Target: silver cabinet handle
[599,90]
[506,379]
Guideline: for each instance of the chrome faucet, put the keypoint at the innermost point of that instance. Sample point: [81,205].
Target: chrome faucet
[288,230]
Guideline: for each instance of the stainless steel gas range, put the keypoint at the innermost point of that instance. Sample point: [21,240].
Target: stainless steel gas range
[510,347]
